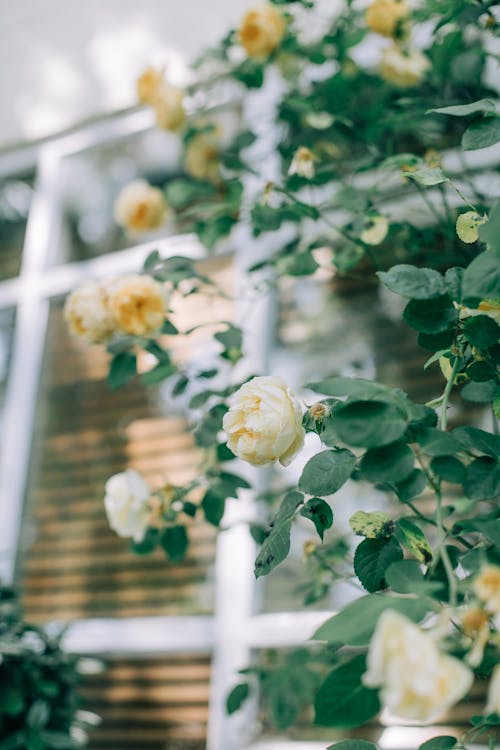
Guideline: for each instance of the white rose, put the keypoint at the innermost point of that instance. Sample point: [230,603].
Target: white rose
[137,304]
[140,207]
[493,705]
[262,30]
[488,307]
[87,314]
[417,681]
[127,504]
[264,422]
[302,163]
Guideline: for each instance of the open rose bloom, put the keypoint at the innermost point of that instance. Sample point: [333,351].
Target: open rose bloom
[264,422]
[417,681]
[127,504]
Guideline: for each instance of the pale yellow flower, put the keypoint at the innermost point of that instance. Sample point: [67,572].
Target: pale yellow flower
[148,84]
[468,225]
[137,304]
[264,422]
[302,163]
[493,705]
[127,504]
[376,228]
[261,30]
[487,588]
[385,16]
[417,681]
[201,158]
[169,108]
[140,207]
[403,69]
[87,314]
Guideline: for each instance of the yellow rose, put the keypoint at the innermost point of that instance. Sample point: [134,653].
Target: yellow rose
[169,108]
[493,705]
[137,304]
[417,681]
[302,163]
[264,422]
[375,230]
[140,207]
[201,158]
[87,315]
[261,30]
[385,16]
[487,588]
[468,225]
[403,69]
[148,85]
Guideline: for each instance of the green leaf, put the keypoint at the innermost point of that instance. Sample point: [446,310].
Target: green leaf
[326,472]
[319,513]
[372,525]
[340,386]
[480,393]
[147,544]
[174,541]
[462,110]
[354,625]
[490,232]
[391,463]
[416,283]
[122,369]
[352,745]
[436,341]
[482,277]
[277,544]
[482,481]
[213,506]
[481,134]
[343,700]
[443,742]
[427,176]
[369,424]
[413,485]
[430,316]
[371,560]
[448,468]
[481,331]
[413,539]
[435,442]
[480,441]
[161,372]
[405,577]
[237,697]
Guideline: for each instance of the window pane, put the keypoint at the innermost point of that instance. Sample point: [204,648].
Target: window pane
[15,199]
[150,704]
[71,564]
[88,226]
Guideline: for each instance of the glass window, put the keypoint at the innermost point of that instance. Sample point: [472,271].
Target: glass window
[150,703]
[92,179]
[15,199]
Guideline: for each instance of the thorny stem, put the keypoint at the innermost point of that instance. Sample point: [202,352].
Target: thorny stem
[428,203]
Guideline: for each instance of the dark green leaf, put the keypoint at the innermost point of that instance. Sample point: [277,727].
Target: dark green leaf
[122,369]
[436,342]
[369,424]
[213,506]
[480,393]
[483,479]
[405,577]
[391,463]
[326,472]
[448,468]
[476,440]
[412,486]
[371,560]
[444,742]
[481,134]
[319,513]
[430,316]
[340,386]
[277,544]
[343,700]
[237,697]
[174,541]
[352,745]
[481,330]
[413,282]
[435,442]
